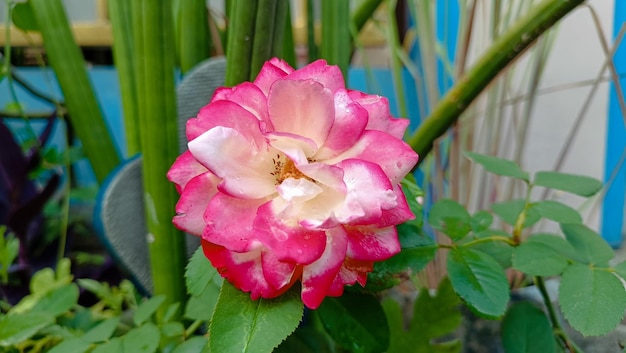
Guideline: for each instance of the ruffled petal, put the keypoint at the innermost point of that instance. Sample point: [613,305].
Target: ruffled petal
[280,275]
[379,115]
[352,271]
[318,277]
[250,97]
[394,156]
[289,243]
[229,222]
[193,202]
[303,108]
[371,243]
[271,71]
[184,169]
[245,170]
[399,214]
[296,147]
[329,76]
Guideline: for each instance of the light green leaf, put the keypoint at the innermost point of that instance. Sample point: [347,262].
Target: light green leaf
[575,184]
[196,344]
[620,269]
[147,309]
[537,259]
[201,307]
[589,246]
[479,280]
[554,241]
[356,322]
[508,211]
[434,317]
[71,346]
[173,329]
[481,221]
[144,339]
[200,273]
[58,301]
[115,345]
[592,300]
[19,327]
[102,331]
[526,329]
[451,218]
[243,325]
[498,166]
[556,211]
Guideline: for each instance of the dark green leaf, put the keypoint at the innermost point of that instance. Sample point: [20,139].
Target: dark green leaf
[58,301]
[243,325]
[356,322]
[479,280]
[509,211]
[575,184]
[592,300]
[434,317]
[589,246]
[144,339]
[556,211]
[305,340]
[171,311]
[23,17]
[19,327]
[200,273]
[451,218]
[74,345]
[196,344]
[526,329]
[498,166]
[102,331]
[499,250]
[537,259]
[201,307]
[147,309]
[554,241]
[481,221]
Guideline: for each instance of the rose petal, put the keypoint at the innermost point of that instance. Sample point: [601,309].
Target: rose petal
[372,244]
[184,169]
[399,214]
[296,147]
[248,96]
[193,202]
[280,275]
[329,76]
[379,115]
[271,71]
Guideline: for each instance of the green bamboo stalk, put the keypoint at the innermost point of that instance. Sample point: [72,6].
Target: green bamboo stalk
[283,45]
[336,46]
[193,37]
[154,57]
[69,66]
[364,12]
[393,40]
[502,52]
[310,32]
[240,41]
[121,14]
[264,28]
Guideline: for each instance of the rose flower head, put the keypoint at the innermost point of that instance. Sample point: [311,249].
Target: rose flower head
[292,178]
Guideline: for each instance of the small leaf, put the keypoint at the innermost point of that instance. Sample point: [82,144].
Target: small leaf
[171,311]
[144,339]
[243,325]
[526,329]
[576,184]
[115,345]
[499,250]
[589,246]
[479,280]
[74,345]
[147,309]
[537,259]
[557,211]
[620,269]
[451,218]
[196,344]
[201,307]
[102,331]
[58,301]
[173,329]
[509,211]
[352,327]
[481,221]
[200,273]
[24,18]
[19,327]
[498,166]
[554,241]
[592,300]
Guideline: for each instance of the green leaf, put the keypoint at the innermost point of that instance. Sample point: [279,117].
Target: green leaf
[356,322]
[102,331]
[74,345]
[115,345]
[19,327]
[554,241]
[147,309]
[479,280]
[243,325]
[200,273]
[201,307]
[537,259]
[196,344]
[173,329]
[144,339]
[170,312]
[576,184]
[305,340]
[556,211]
[498,166]
[499,250]
[23,17]
[589,246]
[58,301]
[620,269]
[451,218]
[434,317]
[592,300]
[508,211]
[481,221]
[526,329]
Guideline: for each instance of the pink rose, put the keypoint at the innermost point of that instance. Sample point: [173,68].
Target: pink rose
[294,178]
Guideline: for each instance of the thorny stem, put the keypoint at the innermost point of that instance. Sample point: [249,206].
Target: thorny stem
[566,342]
[519,223]
[493,238]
